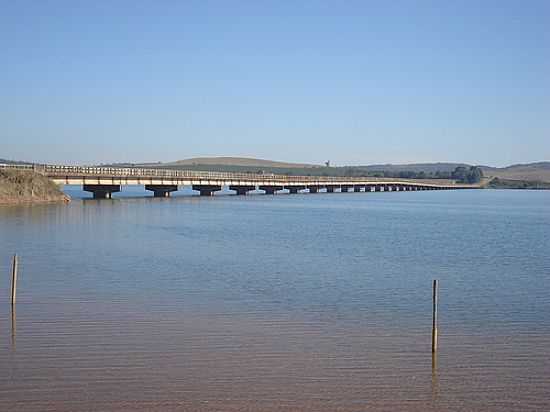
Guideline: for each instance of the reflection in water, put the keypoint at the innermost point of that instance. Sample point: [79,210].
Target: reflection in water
[435,380]
[13,327]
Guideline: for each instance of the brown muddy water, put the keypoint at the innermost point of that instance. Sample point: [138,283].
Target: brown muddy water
[278,303]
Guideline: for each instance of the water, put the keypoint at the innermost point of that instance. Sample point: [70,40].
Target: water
[278,303]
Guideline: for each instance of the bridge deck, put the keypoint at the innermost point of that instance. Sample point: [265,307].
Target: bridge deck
[105,180]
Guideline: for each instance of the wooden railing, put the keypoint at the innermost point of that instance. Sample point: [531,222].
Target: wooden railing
[99,171]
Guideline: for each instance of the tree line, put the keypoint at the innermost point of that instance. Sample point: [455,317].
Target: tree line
[472,174]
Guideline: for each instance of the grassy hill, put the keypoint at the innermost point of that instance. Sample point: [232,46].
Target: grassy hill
[533,172]
[13,162]
[236,161]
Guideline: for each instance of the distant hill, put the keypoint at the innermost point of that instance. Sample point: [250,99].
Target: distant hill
[13,162]
[235,161]
[539,171]
[414,167]
[527,172]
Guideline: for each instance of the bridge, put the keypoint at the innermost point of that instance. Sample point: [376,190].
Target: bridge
[104,181]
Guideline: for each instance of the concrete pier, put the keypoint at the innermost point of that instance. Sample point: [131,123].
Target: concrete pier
[206,190]
[270,190]
[101,191]
[345,188]
[357,188]
[161,190]
[313,189]
[330,189]
[294,189]
[242,190]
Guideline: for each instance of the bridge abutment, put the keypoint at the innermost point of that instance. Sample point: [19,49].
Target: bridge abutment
[101,191]
[161,190]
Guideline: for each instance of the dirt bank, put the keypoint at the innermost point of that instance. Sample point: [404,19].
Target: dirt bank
[22,186]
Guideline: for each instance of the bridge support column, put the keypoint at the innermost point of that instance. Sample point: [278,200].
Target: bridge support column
[330,189]
[161,190]
[206,190]
[357,188]
[242,190]
[294,189]
[345,188]
[101,191]
[313,189]
[270,190]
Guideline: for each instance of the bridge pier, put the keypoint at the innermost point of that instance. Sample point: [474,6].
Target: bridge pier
[345,188]
[313,189]
[330,189]
[294,189]
[206,190]
[270,190]
[101,191]
[242,190]
[357,188]
[161,190]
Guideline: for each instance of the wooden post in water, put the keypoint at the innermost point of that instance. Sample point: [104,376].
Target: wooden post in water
[434,318]
[14,267]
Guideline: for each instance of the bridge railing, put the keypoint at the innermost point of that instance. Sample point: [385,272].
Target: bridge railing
[58,170]
[129,172]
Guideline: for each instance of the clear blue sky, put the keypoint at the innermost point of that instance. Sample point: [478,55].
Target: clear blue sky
[356,82]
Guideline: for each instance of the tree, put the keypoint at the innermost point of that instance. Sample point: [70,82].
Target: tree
[473,174]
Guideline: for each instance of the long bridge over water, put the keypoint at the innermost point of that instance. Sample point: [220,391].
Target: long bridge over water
[104,181]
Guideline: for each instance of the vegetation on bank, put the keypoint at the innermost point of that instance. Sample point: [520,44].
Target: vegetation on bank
[26,186]
[498,183]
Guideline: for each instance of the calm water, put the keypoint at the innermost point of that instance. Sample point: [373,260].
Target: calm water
[278,303]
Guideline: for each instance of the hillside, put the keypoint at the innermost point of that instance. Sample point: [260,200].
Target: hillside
[414,167]
[13,162]
[534,172]
[235,161]
[17,186]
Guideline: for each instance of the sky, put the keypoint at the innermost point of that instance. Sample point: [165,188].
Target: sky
[353,82]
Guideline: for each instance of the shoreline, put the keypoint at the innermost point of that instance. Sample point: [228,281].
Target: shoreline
[32,201]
